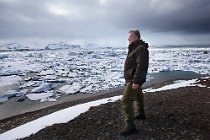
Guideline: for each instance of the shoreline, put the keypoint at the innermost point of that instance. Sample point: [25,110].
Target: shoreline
[8,123]
[178,113]
[173,114]
[11,108]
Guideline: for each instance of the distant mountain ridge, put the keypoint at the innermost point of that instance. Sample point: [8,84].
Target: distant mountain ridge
[13,46]
[60,45]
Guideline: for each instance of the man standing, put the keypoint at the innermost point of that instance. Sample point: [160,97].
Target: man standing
[135,71]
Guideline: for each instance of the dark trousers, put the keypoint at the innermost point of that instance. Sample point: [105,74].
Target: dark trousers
[129,96]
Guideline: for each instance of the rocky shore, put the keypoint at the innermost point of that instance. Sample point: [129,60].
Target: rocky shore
[181,113]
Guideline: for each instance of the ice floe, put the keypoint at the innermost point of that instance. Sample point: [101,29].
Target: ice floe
[44,87]
[13,93]
[41,97]
[71,89]
[10,80]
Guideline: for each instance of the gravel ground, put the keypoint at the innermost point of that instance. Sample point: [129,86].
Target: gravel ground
[173,114]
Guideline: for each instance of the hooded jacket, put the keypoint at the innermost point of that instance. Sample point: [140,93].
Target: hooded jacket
[136,63]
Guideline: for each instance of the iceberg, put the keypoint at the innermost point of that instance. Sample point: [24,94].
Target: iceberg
[3,99]
[41,96]
[9,80]
[71,89]
[9,94]
[13,93]
[44,87]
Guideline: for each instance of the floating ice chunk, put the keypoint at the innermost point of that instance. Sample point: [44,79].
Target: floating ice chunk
[71,89]
[37,83]
[61,71]
[87,89]
[21,98]
[5,96]
[3,99]
[72,75]
[106,86]
[48,99]
[47,72]
[112,75]
[165,69]
[44,87]
[21,93]
[115,83]
[61,80]
[4,55]
[36,78]
[13,93]
[49,77]
[27,79]
[9,94]
[43,100]
[122,80]
[52,99]
[30,83]
[41,96]
[9,80]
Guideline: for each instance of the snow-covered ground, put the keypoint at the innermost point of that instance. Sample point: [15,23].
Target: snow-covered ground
[63,116]
[47,74]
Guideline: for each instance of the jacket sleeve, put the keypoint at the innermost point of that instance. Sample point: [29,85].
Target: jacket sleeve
[142,61]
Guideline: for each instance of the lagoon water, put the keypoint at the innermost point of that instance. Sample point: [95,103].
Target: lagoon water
[12,108]
[52,75]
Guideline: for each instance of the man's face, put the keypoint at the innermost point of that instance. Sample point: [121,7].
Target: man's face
[131,38]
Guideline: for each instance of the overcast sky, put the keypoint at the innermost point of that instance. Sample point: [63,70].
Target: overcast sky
[106,22]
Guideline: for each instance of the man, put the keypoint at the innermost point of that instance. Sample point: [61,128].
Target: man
[135,71]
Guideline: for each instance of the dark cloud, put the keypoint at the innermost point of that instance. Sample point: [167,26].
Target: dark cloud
[193,17]
[187,16]
[101,18]
[35,18]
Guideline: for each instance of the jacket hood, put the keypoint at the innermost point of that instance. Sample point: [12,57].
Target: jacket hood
[137,43]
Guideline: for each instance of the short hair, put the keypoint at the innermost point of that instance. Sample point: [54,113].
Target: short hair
[136,32]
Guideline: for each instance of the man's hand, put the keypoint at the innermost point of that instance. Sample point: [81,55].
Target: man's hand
[135,86]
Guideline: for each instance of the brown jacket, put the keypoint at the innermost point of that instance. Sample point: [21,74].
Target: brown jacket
[136,63]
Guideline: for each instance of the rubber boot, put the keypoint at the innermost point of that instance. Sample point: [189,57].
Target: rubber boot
[140,115]
[129,129]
